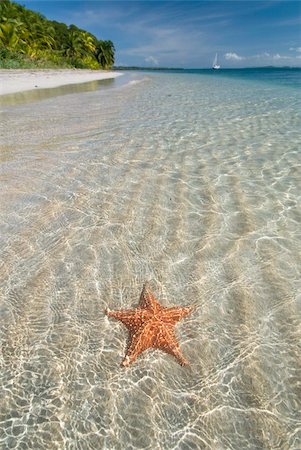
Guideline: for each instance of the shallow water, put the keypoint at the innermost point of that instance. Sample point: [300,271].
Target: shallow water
[190,182]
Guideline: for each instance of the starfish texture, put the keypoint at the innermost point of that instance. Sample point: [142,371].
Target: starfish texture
[151,325]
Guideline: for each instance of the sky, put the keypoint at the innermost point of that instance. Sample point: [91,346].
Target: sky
[187,33]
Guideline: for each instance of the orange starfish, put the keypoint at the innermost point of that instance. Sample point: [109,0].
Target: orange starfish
[151,326]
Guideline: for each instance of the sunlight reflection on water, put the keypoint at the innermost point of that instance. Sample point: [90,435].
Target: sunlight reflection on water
[193,186]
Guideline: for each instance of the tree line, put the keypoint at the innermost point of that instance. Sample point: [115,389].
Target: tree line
[28,38]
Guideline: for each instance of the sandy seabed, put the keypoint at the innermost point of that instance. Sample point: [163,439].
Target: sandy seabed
[20,80]
[189,182]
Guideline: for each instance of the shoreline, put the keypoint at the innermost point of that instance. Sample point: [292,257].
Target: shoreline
[20,80]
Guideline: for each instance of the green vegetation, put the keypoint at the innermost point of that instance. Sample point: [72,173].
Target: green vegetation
[29,40]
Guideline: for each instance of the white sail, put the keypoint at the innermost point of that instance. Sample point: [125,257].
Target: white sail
[215,65]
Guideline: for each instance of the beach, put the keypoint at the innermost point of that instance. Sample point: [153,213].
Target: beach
[187,181]
[20,80]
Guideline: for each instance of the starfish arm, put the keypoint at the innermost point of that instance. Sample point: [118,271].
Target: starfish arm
[176,352]
[148,300]
[141,340]
[167,342]
[175,314]
[131,318]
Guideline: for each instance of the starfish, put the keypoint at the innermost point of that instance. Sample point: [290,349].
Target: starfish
[151,325]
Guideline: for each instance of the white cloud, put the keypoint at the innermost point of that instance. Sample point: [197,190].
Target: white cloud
[261,55]
[152,60]
[277,56]
[234,57]
[263,58]
[296,49]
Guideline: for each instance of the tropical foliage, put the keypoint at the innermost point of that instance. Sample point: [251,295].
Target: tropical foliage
[27,38]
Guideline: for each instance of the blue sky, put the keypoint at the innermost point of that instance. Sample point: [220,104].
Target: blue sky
[188,33]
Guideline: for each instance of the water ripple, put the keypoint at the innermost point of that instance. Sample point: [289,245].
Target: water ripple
[194,186]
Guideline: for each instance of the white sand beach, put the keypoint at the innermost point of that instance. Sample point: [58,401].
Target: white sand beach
[20,80]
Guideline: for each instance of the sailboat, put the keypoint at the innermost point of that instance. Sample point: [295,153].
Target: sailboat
[215,65]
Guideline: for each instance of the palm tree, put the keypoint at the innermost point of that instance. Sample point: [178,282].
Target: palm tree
[7,10]
[105,53]
[23,31]
[88,42]
[43,34]
[11,33]
[73,47]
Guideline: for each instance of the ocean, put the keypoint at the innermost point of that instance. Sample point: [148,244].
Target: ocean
[189,180]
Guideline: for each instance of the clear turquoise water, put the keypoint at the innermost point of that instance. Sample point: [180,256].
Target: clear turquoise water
[284,76]
[188,180]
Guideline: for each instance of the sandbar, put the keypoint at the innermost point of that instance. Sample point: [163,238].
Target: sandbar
[20,80]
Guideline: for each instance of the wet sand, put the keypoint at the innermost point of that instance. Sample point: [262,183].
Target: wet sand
[21,80]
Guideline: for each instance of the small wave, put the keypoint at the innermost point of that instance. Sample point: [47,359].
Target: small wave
[134,82]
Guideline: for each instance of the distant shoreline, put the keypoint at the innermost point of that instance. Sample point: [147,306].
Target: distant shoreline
[20,80]
[201,68]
